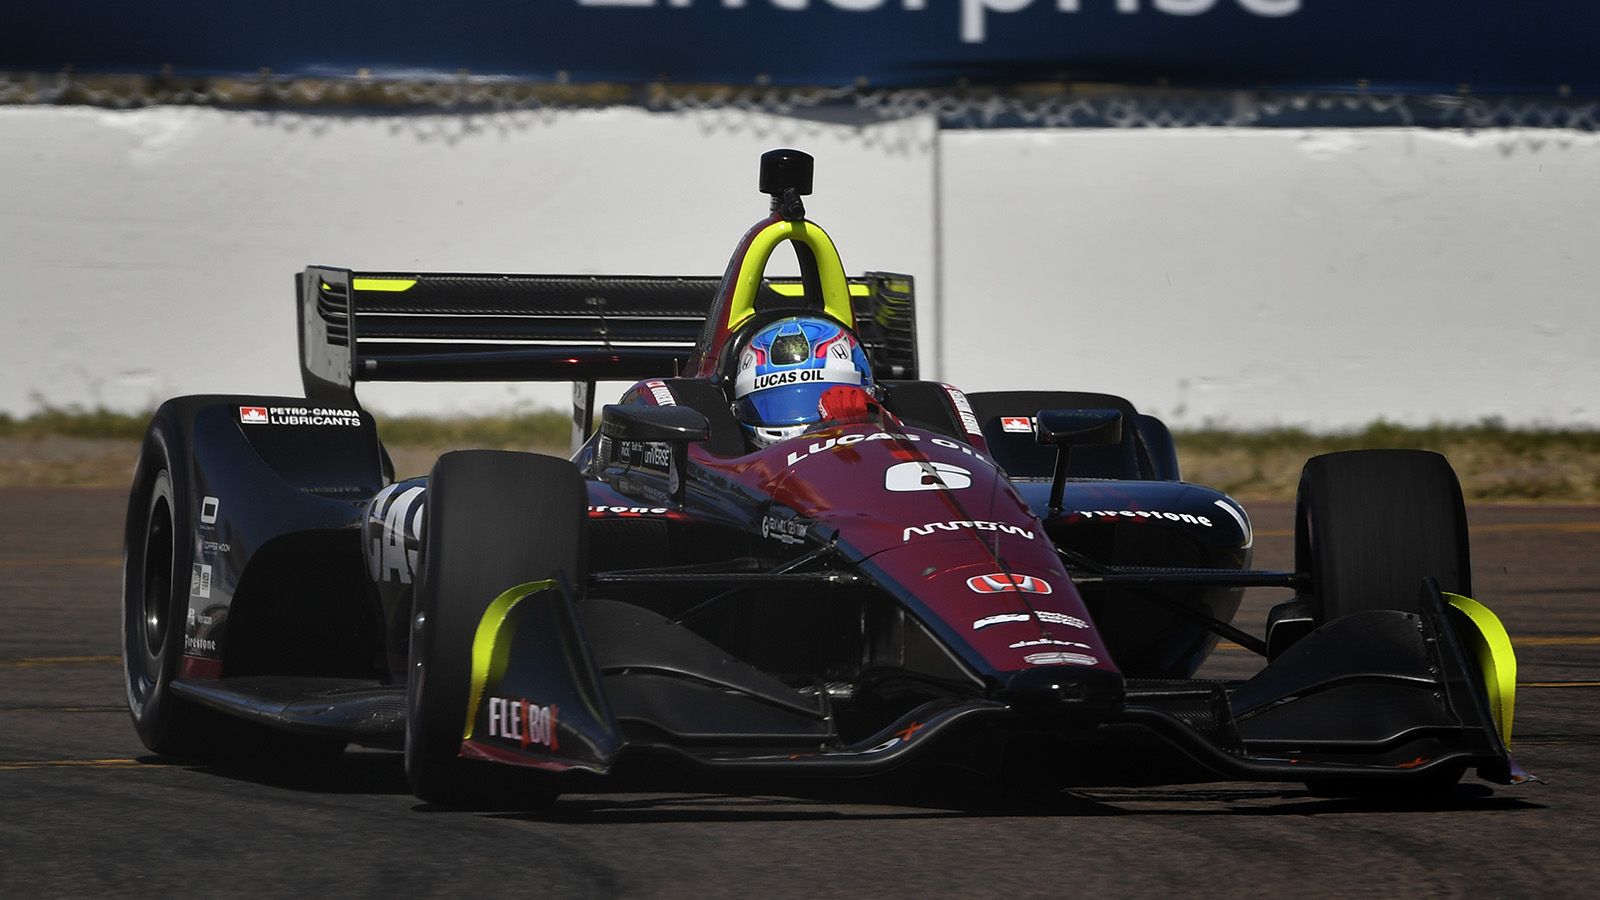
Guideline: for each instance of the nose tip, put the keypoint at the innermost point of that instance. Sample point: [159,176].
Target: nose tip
[1087,691]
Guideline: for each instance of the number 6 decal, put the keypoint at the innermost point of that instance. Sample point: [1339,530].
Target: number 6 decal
[926,476]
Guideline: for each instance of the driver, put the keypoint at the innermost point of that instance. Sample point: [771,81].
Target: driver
[798,372]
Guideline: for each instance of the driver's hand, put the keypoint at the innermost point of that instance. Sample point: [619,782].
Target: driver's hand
[846,403]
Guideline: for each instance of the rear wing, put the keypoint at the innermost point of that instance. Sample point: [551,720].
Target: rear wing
[393,326]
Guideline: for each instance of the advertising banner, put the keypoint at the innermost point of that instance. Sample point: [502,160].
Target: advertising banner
[1529,47]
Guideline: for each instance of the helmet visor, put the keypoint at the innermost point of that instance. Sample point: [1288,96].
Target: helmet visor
[788,349]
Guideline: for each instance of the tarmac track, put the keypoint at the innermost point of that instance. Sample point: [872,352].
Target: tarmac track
[85,810]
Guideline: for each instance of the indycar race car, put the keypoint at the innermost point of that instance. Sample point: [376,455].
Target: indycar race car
[907,574]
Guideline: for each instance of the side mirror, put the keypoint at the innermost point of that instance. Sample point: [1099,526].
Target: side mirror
[655,438]
[1068,428]
[638,422]
[1078,427]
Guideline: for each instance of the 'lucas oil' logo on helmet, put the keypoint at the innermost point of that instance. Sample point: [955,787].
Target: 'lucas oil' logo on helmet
[798,352]
[802,376]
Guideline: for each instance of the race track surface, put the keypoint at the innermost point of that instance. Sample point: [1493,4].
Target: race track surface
[85,810]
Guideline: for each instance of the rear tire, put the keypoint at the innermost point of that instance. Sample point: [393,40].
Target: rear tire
[1370,525]
[158,552]
[494,519]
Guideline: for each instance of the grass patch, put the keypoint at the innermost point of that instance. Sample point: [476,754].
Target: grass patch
[1493,461]
[76,422]
[542,429]
[1381,434]
[415,442]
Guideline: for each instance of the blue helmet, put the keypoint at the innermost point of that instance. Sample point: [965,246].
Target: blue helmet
[784,370]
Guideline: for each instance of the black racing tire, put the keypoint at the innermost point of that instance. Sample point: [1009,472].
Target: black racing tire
[1370,525]
[158,553]
[494,519]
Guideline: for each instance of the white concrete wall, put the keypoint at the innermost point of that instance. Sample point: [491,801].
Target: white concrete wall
[150,253]
[1320,278]
[1248,276]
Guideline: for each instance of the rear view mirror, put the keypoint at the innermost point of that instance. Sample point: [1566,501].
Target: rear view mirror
[1078,427]
[638,422]
[655,437]
[1068,428]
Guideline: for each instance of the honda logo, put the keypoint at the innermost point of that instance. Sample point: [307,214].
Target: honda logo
[1001,582]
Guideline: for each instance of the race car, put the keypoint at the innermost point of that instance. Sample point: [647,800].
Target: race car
[780,553]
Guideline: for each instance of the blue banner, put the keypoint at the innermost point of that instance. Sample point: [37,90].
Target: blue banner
[1526,47]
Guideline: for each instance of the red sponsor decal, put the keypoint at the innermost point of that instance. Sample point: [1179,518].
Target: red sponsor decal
[253,415]
[660,393]
[196,667]
[1016,423]
[540,726]
[1001,583]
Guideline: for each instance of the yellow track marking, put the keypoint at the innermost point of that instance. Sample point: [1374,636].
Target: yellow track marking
[1556,641]
[56,709]
[62,562]
[1502,528]
[1581,640]
[15,765]
[57,661]
[1565,527]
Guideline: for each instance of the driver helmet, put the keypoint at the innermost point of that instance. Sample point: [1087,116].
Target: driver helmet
[784,371]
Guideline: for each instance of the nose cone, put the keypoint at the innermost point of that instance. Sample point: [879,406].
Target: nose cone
[1083,695]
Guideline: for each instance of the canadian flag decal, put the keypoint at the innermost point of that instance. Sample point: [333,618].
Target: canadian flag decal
[253,415]
[1016,423]
[1000,583]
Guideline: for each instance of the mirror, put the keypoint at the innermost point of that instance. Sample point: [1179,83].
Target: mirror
[1068,428]
[638,422]
[1078,427]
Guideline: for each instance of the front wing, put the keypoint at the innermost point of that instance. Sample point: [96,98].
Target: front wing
[1374,697]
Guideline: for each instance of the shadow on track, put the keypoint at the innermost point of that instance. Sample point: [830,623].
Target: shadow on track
[601,810]
[1294,801]
[381,773]
[356,772]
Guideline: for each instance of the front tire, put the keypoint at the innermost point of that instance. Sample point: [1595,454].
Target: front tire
[494,519]
[1370,525]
